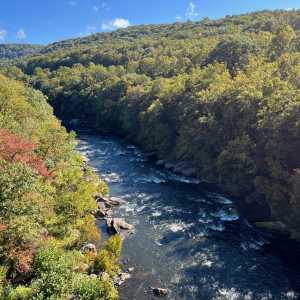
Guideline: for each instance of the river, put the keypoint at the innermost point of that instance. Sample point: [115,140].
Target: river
[186,239]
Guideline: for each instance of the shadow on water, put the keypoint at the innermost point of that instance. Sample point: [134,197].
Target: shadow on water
[188,240]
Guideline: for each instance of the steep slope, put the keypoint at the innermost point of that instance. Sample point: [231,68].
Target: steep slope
[46,206]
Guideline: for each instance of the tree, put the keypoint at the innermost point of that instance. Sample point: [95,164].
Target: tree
[17,149]
[282,41]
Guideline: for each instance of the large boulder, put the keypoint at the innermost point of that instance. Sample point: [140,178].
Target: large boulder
[89,247]
[121,278]
[103,210]
[118,225]
[110,202]
[116,201]
[160,292]
[103,199]
[104,276]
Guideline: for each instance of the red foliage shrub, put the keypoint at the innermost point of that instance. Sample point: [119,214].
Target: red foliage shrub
[14,148]
[3,227]
[23,259]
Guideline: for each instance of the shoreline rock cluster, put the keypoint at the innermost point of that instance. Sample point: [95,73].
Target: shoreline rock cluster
[105,212]
[121,227]
[184,168]
[114,226]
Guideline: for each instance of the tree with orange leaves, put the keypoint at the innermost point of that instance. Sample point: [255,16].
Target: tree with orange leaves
[14,148]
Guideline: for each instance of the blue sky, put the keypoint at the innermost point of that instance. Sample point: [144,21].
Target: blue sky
[45,21]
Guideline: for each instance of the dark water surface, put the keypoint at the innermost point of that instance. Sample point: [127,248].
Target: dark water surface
[188,240]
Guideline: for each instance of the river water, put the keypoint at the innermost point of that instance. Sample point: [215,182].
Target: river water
[188,240]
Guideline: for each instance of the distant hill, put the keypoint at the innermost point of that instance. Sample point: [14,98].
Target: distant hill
[266,21]
[12,51]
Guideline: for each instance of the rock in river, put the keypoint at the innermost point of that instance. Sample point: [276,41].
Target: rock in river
[160,292]
[115,201]
[121,278]
[118,225]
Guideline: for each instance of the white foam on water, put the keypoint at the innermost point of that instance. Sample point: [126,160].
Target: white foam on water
[230,294]
[262,242]
[176,278]
[141,208]
[176,227]
[217,227]
[226,215]
[111,177]
[140,159]
[158,243]
[156,213]
[184,179]
[219,198]
[142,195]
[204,219]
[252,268]
[149,179]
[128,208]
[254,246]
[291,295]
[170,209]
[207,263]
[193,288]
[202,259]
[131,146]
[201,200]
[244,246]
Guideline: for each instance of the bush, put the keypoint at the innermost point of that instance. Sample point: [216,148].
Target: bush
[20,293]
[107,258]
[54,274]
[87,288]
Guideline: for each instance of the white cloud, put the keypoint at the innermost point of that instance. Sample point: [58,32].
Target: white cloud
[72,3]
[21,34]
[115,24]
[120,23]
[3,34]
[178,18]
[191,12]
[95,9]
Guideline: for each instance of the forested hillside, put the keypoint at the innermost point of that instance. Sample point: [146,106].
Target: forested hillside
[46,206]
[12,51]
[220,94]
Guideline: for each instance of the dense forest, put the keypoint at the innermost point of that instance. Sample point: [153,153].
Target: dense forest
[222,95]
[46,206]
